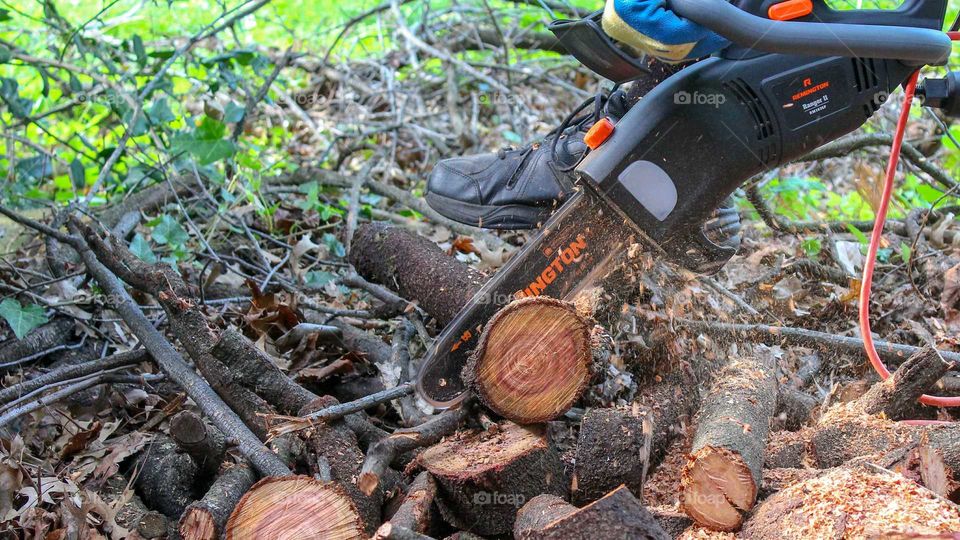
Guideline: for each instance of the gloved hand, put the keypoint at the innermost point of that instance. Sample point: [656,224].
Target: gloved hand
[650,27]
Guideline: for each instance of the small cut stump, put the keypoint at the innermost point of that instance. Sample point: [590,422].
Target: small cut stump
[617,515]
[485,477]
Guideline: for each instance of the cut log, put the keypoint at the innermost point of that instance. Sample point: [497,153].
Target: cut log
[722,475]
[203,442]
[337,455]
[291,507]
[167,477]
[414,267]
[205,519]
[852,503]
[416,511]
[617,515]
[613,449]
[485,477]
[533,360]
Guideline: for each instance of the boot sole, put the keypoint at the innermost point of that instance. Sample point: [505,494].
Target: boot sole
[507,217]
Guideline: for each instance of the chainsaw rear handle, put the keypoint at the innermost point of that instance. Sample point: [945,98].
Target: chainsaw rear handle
[919,46]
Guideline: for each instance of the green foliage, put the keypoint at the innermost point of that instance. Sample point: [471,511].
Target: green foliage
[22,319]
[206,143]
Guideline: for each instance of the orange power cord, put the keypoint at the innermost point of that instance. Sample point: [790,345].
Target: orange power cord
[871,260]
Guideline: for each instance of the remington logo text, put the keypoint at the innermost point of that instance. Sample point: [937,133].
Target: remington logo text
[565,258]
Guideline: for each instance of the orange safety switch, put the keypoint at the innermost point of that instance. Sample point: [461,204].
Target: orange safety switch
[791,9]
[600,132]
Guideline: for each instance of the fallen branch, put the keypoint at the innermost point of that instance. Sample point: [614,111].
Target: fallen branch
[340,410]
[383,453]
[72,372]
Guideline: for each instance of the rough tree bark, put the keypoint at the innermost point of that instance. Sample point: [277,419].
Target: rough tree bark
[613,449]
[617,515]
[415,268]
[203,442]
[720,481]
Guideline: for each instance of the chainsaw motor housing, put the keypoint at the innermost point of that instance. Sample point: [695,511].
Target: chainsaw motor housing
[686,146]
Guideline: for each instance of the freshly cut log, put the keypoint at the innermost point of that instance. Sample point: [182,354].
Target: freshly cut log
[852,503]
[722,475]
[486,476]
[533,360]
[293,507]
[205,519]
[617,515]
[613,449]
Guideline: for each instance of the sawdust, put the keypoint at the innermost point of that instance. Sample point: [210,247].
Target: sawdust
[852,503]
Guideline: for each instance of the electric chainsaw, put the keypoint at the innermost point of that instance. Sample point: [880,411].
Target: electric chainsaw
[798,74]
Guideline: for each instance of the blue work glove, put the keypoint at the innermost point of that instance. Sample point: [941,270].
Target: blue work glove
[650,27]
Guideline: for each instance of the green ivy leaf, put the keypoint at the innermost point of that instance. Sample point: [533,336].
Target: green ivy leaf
[905,252]
[169,232]
[78,173]
[319,279]
[206,151]
[22,319]
[232,113]
[812,246]
[858,234]
[141,248]
[334,245]
[160,112]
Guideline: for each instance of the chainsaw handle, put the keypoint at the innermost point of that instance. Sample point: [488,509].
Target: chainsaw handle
[914,45]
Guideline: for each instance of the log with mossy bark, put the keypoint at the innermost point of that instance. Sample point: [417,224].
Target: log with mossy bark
[613,449]
[533,360]
[485,476]
[616,515]
[720,481]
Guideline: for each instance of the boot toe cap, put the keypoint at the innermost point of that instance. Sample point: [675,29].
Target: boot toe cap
[449,180]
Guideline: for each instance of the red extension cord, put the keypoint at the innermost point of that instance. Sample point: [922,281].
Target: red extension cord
[867,282]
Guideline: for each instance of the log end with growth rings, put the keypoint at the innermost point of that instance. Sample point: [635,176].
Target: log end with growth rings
[198,524]
[292,507]
[533,360]
[717,488]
